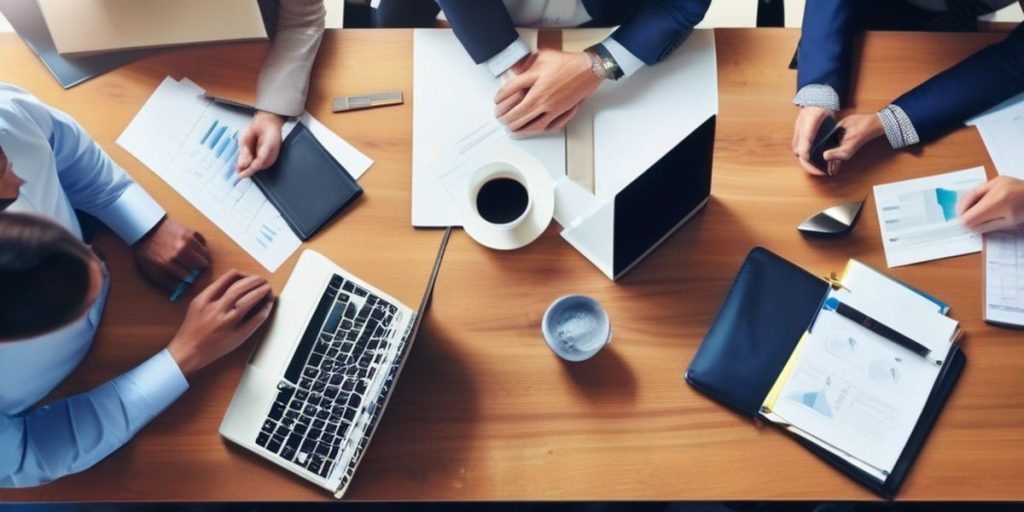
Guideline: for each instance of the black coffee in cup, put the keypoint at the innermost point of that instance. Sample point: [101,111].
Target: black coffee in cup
[502,200]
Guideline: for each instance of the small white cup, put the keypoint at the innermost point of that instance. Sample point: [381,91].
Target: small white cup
[492,171]
[576,327]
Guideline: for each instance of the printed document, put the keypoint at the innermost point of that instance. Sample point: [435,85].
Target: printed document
[1004,277]
[192,144]
[918,217]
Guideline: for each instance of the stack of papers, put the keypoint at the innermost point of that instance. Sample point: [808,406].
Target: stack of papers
[192,144]
[855,392]
[1002,130]
[918,217]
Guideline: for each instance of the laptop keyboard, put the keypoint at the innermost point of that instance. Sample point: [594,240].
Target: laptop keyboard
[342,352]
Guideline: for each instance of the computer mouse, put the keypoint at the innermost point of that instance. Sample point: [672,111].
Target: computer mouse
[833,221]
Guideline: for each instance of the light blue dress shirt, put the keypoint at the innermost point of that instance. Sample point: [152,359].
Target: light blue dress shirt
[63,170]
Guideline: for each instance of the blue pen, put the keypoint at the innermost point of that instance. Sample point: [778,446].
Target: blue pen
[180,290]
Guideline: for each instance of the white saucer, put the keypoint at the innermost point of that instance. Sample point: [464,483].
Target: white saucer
[542,197]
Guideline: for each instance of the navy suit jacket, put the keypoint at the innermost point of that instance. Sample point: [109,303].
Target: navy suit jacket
[650,29]
[937,106]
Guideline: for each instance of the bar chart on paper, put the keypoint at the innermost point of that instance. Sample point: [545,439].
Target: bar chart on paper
[918,217]
[192,144]
[923,217]
[209,158]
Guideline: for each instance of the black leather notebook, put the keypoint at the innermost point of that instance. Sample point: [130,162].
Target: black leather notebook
[306,184]
[766,312]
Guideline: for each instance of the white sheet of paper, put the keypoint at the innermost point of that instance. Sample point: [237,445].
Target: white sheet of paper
[1004,277]
[1003,138]
[918,217]
[1008,108]
[639,119]
[454,128]
[191,143]
[1002,130]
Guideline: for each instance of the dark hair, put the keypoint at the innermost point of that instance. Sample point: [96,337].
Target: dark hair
[44,276]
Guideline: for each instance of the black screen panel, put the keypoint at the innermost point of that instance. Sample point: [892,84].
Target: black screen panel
[657,201]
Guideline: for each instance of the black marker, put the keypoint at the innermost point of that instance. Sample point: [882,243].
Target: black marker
[851,313]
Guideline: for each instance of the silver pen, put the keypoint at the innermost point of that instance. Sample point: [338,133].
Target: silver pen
[361,101]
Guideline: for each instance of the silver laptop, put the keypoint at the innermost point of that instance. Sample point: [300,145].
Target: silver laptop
[316,386]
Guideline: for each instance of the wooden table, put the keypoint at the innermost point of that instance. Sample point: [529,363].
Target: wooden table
[484,409]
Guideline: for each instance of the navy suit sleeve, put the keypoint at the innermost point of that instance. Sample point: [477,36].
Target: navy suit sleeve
[978,83]
[659,26]
[484,27]
[825,50]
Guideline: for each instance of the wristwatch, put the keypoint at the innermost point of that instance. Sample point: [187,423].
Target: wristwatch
[602,62]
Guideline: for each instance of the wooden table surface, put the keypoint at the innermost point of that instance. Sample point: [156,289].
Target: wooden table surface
[484,410]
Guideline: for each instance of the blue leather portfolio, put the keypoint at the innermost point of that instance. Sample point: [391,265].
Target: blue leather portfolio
[766,313]
[306,184]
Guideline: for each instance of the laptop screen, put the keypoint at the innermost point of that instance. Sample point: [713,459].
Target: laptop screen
[429,293]
[654,204]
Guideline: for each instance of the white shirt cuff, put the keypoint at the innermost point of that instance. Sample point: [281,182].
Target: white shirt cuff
[152,386]
[508,57]
[132,215]
[627,62]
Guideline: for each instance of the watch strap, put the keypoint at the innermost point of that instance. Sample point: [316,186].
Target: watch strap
[614,72]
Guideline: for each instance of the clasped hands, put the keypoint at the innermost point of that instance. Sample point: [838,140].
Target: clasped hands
[544,90]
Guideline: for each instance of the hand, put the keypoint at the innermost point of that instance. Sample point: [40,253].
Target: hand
[998,204]
[859,130]
[807,123]
[259,144]
[170,252]
[544,91]
[219,319]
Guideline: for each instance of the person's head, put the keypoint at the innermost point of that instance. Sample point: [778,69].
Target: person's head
[10,183]
[48,278]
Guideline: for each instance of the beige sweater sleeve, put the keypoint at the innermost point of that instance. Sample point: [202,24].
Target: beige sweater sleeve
[284,78]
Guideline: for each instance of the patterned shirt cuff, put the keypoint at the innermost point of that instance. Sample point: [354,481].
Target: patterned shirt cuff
[898,127]
[817,95]
[507,58]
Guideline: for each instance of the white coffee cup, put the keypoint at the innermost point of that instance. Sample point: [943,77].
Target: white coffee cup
[505,206]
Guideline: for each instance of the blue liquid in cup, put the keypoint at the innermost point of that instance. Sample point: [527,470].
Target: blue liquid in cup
[576,327]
